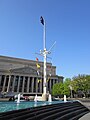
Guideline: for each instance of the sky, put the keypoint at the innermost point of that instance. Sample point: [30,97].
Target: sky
[67,23]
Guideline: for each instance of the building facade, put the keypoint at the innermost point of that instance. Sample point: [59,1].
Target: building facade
[24,76]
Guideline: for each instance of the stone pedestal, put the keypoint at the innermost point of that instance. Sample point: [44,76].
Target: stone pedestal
[44,97]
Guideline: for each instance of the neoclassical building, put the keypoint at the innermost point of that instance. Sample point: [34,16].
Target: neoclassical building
[23,76]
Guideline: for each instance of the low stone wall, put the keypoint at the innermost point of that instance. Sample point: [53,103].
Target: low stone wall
[4,99]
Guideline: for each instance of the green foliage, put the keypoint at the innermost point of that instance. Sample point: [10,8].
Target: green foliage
[67,84]
[61,88]
[55,89]
[81,83]
[78,83]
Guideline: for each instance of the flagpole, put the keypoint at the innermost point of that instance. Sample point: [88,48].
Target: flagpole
[44,53]
[44,35]
[45,59]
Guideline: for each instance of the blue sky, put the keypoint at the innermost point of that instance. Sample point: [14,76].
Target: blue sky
[67,23]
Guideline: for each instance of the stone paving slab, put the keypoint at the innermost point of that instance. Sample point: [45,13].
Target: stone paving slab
[87,104]
[85,117]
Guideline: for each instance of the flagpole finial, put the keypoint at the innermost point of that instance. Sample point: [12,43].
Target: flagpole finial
[42,20]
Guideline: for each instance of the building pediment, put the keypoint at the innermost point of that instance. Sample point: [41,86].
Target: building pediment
[24,70]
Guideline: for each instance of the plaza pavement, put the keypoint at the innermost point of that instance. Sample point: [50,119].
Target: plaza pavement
[86,116]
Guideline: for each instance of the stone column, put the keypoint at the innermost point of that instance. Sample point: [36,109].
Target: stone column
[53,81]
[36,85]
[0,83]
[23,84]
[56,81]
[9,83]
[32,84]
[18,84]
[0,79]
[13,83]
[28,82]
[4,83]
[50,85]
[41,86]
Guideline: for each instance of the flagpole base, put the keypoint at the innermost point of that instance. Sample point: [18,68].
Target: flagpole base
[44,97]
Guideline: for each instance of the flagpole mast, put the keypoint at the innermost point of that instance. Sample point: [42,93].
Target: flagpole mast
[45,59]
[44,35]
[44,53]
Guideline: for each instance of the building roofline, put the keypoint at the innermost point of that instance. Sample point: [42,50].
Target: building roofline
[20,60]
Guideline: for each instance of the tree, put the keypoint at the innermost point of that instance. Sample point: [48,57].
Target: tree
[67,84]
[57,89]
[81,84]
[62,88]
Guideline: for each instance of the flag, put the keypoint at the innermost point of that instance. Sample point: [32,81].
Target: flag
[38,66]
[37,72]
[36,59]
[48,79]
[42,20]
[50,74]
[39,80]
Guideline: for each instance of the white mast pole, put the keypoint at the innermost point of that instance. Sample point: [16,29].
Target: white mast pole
[44,35]
[45,58]
[44,53]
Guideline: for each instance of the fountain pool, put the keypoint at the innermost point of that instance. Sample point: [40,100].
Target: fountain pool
[9,106]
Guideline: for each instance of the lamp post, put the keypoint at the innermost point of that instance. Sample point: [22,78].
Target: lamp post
[71,90]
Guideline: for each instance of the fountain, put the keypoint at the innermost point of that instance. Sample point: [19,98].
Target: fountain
[35,99]
[18,101]
[65,98]
[49,98]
